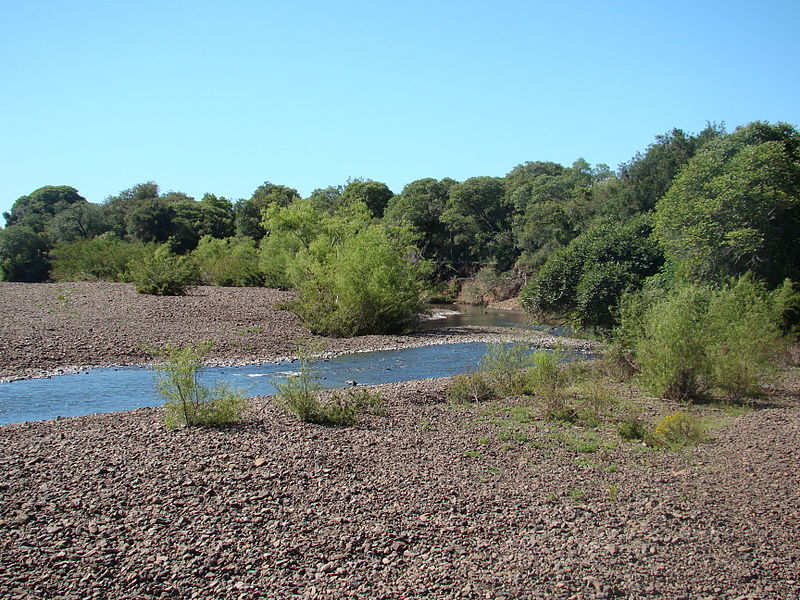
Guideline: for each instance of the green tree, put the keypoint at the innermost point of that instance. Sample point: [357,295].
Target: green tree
[478,219]
[374,194]
[81,221]
[23,254]
[248,212]
[420,205]
[647,177]
[118,207]
[736,208]
[584,280]
[37,208]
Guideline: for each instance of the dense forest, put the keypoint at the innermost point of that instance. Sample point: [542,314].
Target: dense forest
[700,209]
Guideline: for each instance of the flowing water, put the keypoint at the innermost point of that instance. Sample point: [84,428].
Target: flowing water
[126,388]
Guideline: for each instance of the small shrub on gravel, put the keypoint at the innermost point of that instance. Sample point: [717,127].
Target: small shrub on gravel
[164,274]
[505,366]
[680,429]
[470,388]
[632,429]
[187,401]
[300,395]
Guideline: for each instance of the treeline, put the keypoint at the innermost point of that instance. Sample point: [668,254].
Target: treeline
[700,208]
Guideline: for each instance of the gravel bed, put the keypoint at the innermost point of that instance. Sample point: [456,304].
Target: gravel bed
[426,502]
[50,329]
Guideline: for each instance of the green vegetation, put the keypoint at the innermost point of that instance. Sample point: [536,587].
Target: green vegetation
[187,402]
[700,339]
[163,274]
[301,395]
[690,210]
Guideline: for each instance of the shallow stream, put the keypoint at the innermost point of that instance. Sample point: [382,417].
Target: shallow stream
[125,388]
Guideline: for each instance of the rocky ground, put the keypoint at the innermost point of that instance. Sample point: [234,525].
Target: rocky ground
[483,501]
[50,328]
[430,501]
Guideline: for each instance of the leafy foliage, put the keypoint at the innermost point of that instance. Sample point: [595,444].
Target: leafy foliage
[23,254]
[164,274]
[228,262]
[187,401]
[736,208]
[585,280]
[103,258]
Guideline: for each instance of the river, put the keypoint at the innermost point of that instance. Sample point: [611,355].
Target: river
[125,388]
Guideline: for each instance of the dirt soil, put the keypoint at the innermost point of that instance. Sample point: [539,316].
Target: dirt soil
[54,328]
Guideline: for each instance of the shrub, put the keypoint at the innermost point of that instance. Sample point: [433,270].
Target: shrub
[187,401]
[504,367]
[744,338]
[300,394]
[548,381]
[670,350]
[228,262]
[164,274]
[368,285]
[470,388]
[103,258]
[680,429]
[697,339]
[632,429]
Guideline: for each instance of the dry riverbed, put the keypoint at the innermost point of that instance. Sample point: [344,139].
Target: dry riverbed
[482,501]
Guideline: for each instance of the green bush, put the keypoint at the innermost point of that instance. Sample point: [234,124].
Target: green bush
[300,394]
[505,367]
[698,339]
[187,401]
[680,429]
[228,262]
[470,388]
[671,352]
[367,285]
[164,274]
[104,258]
[632,429]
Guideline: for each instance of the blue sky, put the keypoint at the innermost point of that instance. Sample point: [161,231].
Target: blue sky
[221,96]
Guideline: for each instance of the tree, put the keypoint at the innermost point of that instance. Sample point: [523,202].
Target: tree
[81,221]
[420,205]
[118,207]
[248,212]
[37,208]
[584,280]
[553,204]
[374,194]
[647,177]
[23,254]
[478,219]
[736,208]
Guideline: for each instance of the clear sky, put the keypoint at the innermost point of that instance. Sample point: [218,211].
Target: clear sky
[219,97]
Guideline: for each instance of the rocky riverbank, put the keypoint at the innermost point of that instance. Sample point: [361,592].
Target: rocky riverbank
[430,501]
[55,328]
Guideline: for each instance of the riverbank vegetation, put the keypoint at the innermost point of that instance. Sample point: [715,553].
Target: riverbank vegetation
[700,209]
